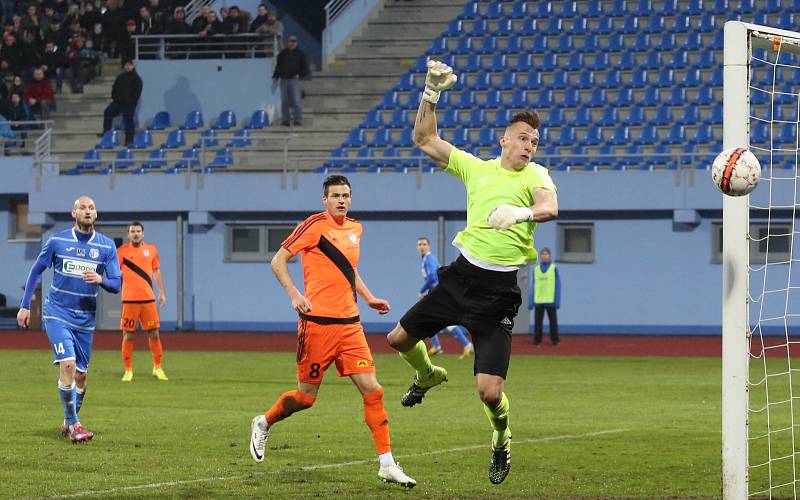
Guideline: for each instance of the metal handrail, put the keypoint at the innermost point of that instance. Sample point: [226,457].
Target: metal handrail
[333,9]
[228,46]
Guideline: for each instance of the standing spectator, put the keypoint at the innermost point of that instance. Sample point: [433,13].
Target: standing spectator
[31,52]
[291,67]
[267,25]
[10,52]
[55,34]
[114,23]
[31,20]
[178,49]
[90,17]
[73,14]
[234,25]
[47,18]
[39,94]
[159,12]
[210,36]
[53,64]
[98,38]
[124,97]
[126,44]
[148,48]
[545,297]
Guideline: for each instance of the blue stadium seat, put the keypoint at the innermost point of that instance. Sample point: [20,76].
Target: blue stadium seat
[91,161]
[581,118]
[677,97]
[653,61]
[594,137]
[454,28]
[544,99]
[258,120]
[355,139]
[605,26]
[681,24]
[508,81]
[505,27]
[494,99]
[486,138]
[488,45]
[190,158]
[663,157]
[651,97]
[715,80]
[241,139]
[123,161]
[705,135]
[641,43]
[692,78]
[529,27]
[647,136]
[193,121]
[464,46]
[222,159]
[544,9]
[514,45]
[630,25]
[668,42]
[560,81]
[759,133]
[707,59]
[676,135]
[495,11]
[655,25]
[625,98]
[475,119]
[524,63]
[481,81]
[566,137]
[388,163]
[689,116]
[597,99]
[666,78]
[208,139]
[382,138]
[364,159]
[616,42]
[479,27]
[571,99]
[609,117]
[627,62]
[474,63]
[601,61]
[440,44]
[555,117]
[637,115]
[590,44]
[695,7]
[663,116]
[575,62]
[498,62]
[519,99]
[569,9]
[399,119]
[639,79]
[461,138]
[580,25]
[412,100]
[718,7]
[772,6]
[156,159]
[407,82]
[450,119]
[707,23]
[143,139]
[406,139]
[595,8]
[391,100]
[715,115]
[718,43]
[161,121]
[519,10]
[643,8]
[633,158]
[694,41]
[550,62]
[604,158]
[680,59]
[175,139]
[705,96]
[471,10]
[110,140]
[786,21]
[501,119]
[466,100]
[533,80]
[759,97]
[586,80]
[373,119]
[621,136]
[565,45]
[554,26]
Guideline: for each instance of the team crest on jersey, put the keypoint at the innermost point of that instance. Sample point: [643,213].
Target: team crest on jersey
[362,363]
[146,252]
[94,253]
[81,252]
[353,238]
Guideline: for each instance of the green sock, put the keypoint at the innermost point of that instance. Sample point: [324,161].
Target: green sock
[498,417]
[418,359]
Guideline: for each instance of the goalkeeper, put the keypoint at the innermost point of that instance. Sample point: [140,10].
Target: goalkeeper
[506,198]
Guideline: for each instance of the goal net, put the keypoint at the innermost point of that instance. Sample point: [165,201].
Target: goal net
[761,307]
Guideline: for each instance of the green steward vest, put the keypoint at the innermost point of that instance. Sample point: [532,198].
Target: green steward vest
[545,285]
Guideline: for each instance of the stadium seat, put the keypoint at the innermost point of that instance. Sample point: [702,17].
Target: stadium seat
[544,9]
[695,7]
[633,157]
[692,78]
[627,62]
[524,63]
[677,97]
[707,59]
[406,139]
[715,115]
[654,25]
[666,78]
[694,41]
[643,8]
[705,96]
[718,43]
[681,24]
[663,116]
[241,139]
[473,64]
[705,135]
[464,46]
[488,45]
[501,118]
[258,120]
[680,59]
[399,119]
[616,42]
[505,27]
[461,138]
[519,99]
[715,80]
[175,139]
[193,121]
[594,137]
[495,11]
[601,61]
[475,119]
[560,81]
[110,140]
[663,157]
[565,45]
[605,26]
[382,138]
[630,25]
[190,158]
[580,25]
[595,8]
[373,119]
[566,137]
[609,117]
[575,62]
[676,135]
[390,100]
[555,117]
[450,119]
[498,63]
[529,27]
[707,24]
[514,45]
[759,133]
[533,80]
[455,28]
[225,121]
[91,161]
[571,99]
[636,116]
[407,82]
[550,62]
[625,98]
[486,138]
[494,99]
[161,121]
[143,139]
[156,159]
[208,139]
[641,43]
[651,97]
[590,44]
[554,26]
[612,80]
[466,100]
[508,81]
[620,136]
[479,27]
[586,80]
[639,79]
[519,10]
[123,160]
[597,98]
[653,61]
[772,6]
[786,21]
[718,7]
[413,98]
[569,9]
[581,118]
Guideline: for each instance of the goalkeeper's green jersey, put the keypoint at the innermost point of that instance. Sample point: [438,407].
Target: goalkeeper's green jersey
[489,185]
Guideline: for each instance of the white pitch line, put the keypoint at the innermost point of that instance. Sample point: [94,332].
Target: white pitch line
[168,484]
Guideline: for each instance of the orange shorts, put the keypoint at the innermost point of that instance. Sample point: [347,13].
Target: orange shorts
[320,345]
[145,313]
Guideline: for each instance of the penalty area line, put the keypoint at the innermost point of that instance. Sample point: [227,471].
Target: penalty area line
[238,477]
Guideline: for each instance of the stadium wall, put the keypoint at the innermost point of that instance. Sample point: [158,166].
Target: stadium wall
[652,272]
[195,85]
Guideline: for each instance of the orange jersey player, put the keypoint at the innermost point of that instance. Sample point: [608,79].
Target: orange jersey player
[139,264]
[329,329]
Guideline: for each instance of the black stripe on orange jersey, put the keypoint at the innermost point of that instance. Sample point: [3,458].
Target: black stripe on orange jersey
[340,261]
[138,270]
[300,229]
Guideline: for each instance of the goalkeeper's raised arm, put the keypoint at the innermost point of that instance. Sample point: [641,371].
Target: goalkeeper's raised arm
[440,77]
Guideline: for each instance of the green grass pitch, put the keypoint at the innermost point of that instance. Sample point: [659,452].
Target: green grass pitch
[583,427]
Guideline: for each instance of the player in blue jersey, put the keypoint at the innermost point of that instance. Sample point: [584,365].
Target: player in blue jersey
[79,257]
[430,269]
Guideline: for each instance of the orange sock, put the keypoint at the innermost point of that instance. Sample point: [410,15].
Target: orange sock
[378,420]
[289,402]
[127,354]
[156,349]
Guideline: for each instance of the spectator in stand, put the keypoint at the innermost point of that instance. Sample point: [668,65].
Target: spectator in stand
[55,34]
[39,94]
[53,64]
[73,14]
[291,67]
[126,44]
[179,48]
[91,17]
[114,20]
[267,25]
[74,29]
[210,40]
[125,94]
[235,24]
[98,38]
[17,86]
[31,20]
[47,18]
[159,12]
[148,48]
[201,21]
[15,110]
[30,54]
[11,53]
[82,61]
[16,21]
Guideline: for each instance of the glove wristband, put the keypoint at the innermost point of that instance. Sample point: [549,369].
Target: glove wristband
[430,95]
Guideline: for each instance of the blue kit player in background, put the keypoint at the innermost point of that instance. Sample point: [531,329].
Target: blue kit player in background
[79,257]
[430,269]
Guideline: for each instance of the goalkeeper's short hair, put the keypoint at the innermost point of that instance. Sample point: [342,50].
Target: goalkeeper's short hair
[529,117]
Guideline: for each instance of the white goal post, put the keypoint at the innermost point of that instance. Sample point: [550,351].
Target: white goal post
[760,460]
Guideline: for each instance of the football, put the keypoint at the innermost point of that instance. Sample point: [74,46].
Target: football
[736,171]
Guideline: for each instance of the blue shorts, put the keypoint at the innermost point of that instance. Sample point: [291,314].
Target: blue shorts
[69,343]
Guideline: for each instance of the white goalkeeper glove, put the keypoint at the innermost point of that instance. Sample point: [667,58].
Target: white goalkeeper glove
[503,217]
[440,77]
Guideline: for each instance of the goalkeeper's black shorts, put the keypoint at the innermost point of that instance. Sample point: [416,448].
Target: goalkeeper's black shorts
[484,302]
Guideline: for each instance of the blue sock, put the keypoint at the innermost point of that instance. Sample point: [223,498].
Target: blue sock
[435,341]
[459,332]
[68,398]
[79,399]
